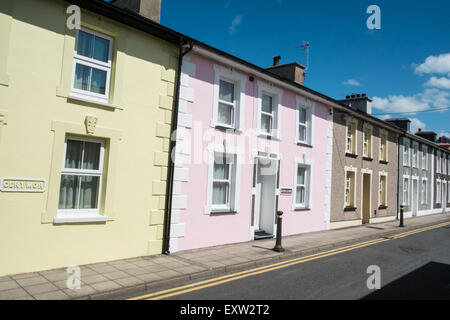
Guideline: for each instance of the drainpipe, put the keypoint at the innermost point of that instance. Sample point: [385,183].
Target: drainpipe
[170,169]
[398,172]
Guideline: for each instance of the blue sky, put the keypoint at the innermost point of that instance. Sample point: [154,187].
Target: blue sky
[405,66]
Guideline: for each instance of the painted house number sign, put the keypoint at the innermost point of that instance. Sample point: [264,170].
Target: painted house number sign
[22,185]
[285,191]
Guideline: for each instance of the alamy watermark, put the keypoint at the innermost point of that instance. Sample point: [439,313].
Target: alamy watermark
[374,20]
[374,280]
[74,18]
[74,279]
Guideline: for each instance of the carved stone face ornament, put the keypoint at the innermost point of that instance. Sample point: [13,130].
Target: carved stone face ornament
[91,123]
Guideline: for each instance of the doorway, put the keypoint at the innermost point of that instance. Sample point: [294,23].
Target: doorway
[444,196]
[264,197]
[366,197]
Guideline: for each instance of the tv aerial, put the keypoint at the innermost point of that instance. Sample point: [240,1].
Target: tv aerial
[304,46]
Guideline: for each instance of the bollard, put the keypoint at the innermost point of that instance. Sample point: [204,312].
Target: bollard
[278,246]
[401,216]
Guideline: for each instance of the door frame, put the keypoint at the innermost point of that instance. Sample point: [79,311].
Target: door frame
[363,172]
[416,196]
[256,190]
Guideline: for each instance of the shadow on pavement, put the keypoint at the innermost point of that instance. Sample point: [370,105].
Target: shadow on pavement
[431,281]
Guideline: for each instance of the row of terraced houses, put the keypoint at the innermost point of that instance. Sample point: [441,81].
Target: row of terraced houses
[124,138]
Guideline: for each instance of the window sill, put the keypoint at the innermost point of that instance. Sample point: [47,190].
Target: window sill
[268,137]
[349,208]
[222,212]
[383,162]
[367,158]
[302,209]
[79,218]
[351,155]
[225,128]
[303,144]
[382,207]
[91,101]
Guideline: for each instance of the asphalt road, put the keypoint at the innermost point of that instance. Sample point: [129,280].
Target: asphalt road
[415,266]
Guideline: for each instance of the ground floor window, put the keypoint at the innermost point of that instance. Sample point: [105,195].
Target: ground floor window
[405,191]
[350,189]
[383,194]
[81,176]
[302,188]
[223,184]
[424,191]
[438,191]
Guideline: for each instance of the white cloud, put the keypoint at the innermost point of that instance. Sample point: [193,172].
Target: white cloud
[426,100]
[416,124]
[435,64]
[443,82]
[352,82]
[234,24]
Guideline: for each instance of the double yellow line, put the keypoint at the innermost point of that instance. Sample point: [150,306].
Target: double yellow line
[255,271]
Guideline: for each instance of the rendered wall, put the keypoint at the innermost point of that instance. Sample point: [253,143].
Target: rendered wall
[36,60]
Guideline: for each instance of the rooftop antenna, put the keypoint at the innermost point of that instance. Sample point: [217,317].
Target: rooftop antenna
[304,46]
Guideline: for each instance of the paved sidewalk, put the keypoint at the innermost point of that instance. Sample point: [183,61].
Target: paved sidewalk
[134,276]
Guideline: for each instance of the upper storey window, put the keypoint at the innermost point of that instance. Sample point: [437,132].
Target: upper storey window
[92,66]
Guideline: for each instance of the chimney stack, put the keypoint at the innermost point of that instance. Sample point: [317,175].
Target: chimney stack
[291,71]
[402,123]
[359,102]
[150,9]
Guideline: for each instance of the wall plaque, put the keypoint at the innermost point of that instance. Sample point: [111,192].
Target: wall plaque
[22,185]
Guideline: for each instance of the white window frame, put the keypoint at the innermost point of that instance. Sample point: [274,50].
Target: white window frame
[369,141]
[415,153]
[444,163]
[424,157]
[308,165]
[276,94]
[406,152]
[234,203]
[406,183]
[438,191]
[309,106]
[424,199]
[354,136]
[383,133]
[385,175]
[93,63]
[239,81]
[354,170]
[439,163]
[81,215]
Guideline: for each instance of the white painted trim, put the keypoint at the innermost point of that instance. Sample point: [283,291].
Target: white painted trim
[355,170]
[309,180]
[277,95]
[369,172]
[93,63]
[309,105]
[77,218]
[230,150]
[240,81]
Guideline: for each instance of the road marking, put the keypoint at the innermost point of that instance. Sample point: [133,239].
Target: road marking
[284,264]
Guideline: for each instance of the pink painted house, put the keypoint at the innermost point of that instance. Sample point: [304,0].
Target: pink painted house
[249,142]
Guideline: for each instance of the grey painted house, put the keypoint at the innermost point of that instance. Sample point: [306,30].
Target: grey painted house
[422,186]
[364,166]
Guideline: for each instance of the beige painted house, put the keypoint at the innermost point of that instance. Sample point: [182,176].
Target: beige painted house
[364,166]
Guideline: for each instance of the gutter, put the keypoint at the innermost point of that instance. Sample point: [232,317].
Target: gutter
[172,145]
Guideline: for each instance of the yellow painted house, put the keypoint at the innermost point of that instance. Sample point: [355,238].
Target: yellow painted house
[85,120]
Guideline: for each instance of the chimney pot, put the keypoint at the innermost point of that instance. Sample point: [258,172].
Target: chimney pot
[276,60]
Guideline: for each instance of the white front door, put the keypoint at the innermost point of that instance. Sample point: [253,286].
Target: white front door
[415,197]
[264,201]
